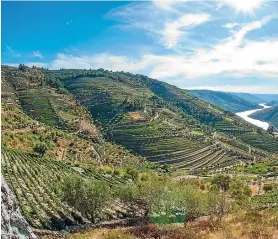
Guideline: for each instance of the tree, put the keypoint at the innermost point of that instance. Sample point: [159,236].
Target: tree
[143,195]
[22,67]
[41,148]
[87,196]
[239,191]
[221,181]
[193,202]
[217,205]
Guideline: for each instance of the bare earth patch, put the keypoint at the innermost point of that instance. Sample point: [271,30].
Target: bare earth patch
[136,115]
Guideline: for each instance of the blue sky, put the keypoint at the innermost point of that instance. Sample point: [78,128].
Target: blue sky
[229,45]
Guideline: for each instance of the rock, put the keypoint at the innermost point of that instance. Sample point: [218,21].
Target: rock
[13,224]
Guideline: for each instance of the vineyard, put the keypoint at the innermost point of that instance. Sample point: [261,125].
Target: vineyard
[33,179]
[267,143]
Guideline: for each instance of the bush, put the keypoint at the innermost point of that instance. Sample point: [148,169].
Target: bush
[87,196]
[107,169]
[40,148]
[267,187]
[222,182]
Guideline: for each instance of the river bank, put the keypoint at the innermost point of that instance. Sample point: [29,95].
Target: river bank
[245,115]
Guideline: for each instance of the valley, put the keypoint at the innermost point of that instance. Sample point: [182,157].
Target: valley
[246,116]
[128,142]
[139,119]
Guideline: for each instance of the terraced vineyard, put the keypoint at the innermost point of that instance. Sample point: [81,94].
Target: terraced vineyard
[230,129]
[269,144]
[32,180]
[37,103]
[150,118]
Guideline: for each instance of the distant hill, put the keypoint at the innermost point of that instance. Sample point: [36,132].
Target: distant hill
[268,115]
[249,97]
[273,103]
[267,97]
[225,100]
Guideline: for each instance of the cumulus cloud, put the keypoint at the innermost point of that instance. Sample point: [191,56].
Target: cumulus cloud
[235,56]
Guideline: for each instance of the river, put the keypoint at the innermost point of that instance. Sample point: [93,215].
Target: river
[245,115]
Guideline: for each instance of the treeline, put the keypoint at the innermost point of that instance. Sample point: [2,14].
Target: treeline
[154,196]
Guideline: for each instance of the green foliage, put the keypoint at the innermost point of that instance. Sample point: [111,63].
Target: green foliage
[217,204]
[267,187]
[240,192]
[40,148]
[87,196]
[268,115]
[221,181]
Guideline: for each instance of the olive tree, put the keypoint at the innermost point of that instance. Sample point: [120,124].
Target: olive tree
[88,196]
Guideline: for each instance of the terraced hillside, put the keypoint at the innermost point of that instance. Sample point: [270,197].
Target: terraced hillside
[268,115]
[29,177]
[38,99]
[150,117]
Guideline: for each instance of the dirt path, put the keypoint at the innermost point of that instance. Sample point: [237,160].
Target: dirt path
[23,130]
[98,155]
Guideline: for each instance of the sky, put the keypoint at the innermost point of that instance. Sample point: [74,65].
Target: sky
[225,45]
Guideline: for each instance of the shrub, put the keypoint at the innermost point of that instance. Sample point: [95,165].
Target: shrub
[267,187]
[40,148]
[222,181]
[87,196]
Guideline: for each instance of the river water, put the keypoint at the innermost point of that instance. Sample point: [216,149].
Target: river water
[245,115]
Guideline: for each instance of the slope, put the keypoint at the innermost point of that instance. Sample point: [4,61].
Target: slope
[249,97]
[268,97]
[225,100]
[157,120]
[268,115]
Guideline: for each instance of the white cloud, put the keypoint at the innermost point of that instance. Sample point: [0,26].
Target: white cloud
[256,89]
[235,57]
[231,25]
[12,51]
[37,54]
[103,60]
[174,30]
[165,5]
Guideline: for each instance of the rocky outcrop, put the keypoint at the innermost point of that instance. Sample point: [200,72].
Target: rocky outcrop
[13,224]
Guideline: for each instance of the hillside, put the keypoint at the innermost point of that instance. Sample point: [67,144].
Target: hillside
[268,115]
[151,118]
[113,129]
[157,120]
[249,97]
[267,97]
[225,100]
